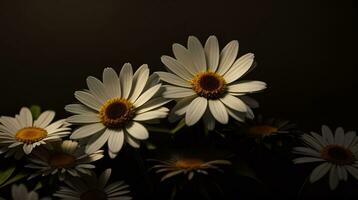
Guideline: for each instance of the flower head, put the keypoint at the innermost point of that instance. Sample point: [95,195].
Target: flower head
[65,158]
[91,187]
[188,166]
[206,82]
[23,131]
[338,153]
[113,111]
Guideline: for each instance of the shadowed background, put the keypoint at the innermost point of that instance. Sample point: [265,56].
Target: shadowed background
[305,49]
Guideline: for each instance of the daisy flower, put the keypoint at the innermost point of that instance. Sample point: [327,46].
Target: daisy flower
[188,166]
[20,192]
[113,111]
[92,187]
[337,153]
[65,158]
[206,82]
[23,131]
[261,127]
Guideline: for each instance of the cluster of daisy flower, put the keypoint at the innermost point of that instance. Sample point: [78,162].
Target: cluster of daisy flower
[205,84]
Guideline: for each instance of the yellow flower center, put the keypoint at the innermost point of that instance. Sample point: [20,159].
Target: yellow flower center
[30,135]
[116,112]
[62,160]
[189,163]
[208,84]
[93,194]
[262,130]
[337,154]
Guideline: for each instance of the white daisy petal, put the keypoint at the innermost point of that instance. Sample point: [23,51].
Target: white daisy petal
[115,141]
[97,89]
[137,130]
[173,79]
[44,119]
[197,54]
[152,81]
[183,56]
[234,103]
[150,115]
[152,104]
[319,139]
[219,111]
[352,170]
[239,68]
[212,52]
[140,78]
[333,178]
[27,148]
[306,160]
[306,151]
[26,116]
[228,56]
[78,109]
[209,120]
[195,110]
[327,134]
[320,171]
[350,135]
[104,177]
[88,100]
[111,83]
[10,123]
[126,79]
[147,95]
[247,87]
[85,118]
[177,92]
[339,136]
[87,130]
[252,103]
[176,67]
[98,143]
[132,141]
[312,142]
[239,116]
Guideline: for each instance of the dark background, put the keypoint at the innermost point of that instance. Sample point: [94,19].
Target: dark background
[306,50]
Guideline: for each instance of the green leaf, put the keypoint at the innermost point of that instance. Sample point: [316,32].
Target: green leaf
[179,126]
[38,186]
[150,146]
[35,111]
[17,177]
[5,174]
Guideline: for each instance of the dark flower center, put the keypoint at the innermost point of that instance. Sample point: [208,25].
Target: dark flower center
[116,112]
[262,130]
[337,154]
[209,85]
[62,160]
[93,194]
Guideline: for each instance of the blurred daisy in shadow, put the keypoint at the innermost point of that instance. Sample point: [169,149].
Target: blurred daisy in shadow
[187,166]
[113,111]
[207,83]
[21,134]
[93,188]
[194,170]
[64,158]
[269,132]
[338,154]
[20,192]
